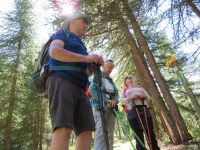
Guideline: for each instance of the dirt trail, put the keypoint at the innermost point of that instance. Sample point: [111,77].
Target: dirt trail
[185,146]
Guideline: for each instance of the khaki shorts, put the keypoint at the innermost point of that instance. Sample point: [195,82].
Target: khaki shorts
[69,106]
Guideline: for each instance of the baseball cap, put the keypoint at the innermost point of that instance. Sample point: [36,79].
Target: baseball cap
[75,16]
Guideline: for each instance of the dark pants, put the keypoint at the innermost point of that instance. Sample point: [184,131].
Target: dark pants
[138,129]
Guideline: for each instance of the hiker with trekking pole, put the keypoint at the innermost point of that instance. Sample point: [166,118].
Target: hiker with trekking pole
[104,98]
[65,86]
[136,103]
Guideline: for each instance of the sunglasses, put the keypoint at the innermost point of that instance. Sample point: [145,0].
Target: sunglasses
[128,78]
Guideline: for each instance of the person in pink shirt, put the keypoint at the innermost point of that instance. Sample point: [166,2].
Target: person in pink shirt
[136,103]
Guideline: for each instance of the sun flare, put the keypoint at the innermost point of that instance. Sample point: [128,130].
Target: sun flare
[67,9]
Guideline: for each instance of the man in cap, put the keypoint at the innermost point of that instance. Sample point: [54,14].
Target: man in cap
[68,103]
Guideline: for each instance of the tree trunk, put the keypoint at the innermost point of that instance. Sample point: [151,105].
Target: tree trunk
[155,125]
[163,122]
[148,83]
[35,132]
[42,120]
[164,114]
[175,113]
[193,7]
[36,125]
[11,101]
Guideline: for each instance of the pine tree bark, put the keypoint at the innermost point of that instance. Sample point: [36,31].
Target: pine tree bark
[175,113]
[35,127]
[155,125]
[11,101]
[9,118]
[148,83]
[42,120]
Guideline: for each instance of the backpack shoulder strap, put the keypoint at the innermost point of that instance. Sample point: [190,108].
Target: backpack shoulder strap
[67,34]
[44,51]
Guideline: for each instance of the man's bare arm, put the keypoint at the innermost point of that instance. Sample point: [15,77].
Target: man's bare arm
[58,52]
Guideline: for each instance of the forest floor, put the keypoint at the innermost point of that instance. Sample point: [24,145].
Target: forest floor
[125,145]
[192,145]
[185,146]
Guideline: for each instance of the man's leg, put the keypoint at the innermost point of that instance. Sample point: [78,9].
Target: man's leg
[111,127]
[60,139]
[83,141]
[99,143]
[83,123]
[62,96]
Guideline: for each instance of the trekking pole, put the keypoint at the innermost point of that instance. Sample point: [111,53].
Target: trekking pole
[135,135]
[140,120]
[101,106]
[145,114]
[123,128]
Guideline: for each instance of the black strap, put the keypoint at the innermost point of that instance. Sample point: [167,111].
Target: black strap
[143,102]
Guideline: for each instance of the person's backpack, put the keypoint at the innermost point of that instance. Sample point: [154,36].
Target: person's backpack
[41,71]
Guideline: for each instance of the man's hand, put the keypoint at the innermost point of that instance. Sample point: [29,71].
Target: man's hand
[129,98]
[111,103]
[101,61]
[94,58]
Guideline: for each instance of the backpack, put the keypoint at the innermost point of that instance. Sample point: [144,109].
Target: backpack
[41,71]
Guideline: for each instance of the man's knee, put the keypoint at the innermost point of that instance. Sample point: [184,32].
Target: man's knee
[83,140]
[85,134]
[62,132]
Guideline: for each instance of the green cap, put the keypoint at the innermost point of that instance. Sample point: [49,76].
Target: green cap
[75,16]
